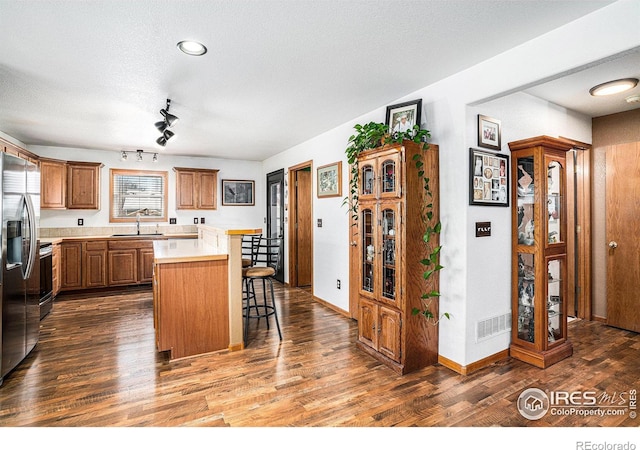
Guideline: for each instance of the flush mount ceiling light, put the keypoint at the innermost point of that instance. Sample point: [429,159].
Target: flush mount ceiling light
[192,48]
[613,87]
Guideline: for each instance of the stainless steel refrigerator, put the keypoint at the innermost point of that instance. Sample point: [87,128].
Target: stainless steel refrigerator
[19,236]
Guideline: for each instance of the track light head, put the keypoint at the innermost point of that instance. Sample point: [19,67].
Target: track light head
[162,125]
[169,118]
[123,156]
[139,159]
[168,134]
[161,141]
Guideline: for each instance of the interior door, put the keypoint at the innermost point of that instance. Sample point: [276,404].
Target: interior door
[622,225]
[303,227]
[275,211]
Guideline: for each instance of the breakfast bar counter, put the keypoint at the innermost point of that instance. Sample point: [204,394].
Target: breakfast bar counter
[197,292]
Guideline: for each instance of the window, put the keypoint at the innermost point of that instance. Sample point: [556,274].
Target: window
[136,192]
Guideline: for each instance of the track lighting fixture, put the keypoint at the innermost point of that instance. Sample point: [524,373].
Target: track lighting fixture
[168,121]
[123,156]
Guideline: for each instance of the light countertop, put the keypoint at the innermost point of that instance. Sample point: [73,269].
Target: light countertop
[184,250]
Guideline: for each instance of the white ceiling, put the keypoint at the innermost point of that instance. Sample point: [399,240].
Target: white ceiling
[94,74]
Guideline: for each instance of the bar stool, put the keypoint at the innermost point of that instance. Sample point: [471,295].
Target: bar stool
[267,263]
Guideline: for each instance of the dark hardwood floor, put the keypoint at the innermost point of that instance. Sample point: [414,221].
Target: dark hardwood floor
[96,366]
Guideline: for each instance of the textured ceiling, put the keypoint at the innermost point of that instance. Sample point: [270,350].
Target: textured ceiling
[94,74]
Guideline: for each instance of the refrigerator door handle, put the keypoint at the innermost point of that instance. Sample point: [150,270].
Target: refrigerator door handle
[33,236]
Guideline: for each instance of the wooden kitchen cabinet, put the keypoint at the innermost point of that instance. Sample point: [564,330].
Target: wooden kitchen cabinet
[69,184]
[70,265]
[53,186]
[390,248]
[130,262]
[55,269]
[83,185]
[196,188]
[95,264]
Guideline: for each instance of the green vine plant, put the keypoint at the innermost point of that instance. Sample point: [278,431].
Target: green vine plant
[372,135]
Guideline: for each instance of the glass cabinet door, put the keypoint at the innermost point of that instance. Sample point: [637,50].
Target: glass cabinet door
[368,249]
[554,211]
[390,221]
[525,185]
[367,181]
[555,301]
[389,174]
[526,297]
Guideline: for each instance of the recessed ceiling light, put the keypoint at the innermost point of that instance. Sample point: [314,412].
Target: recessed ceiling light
[192,48]
[614,87]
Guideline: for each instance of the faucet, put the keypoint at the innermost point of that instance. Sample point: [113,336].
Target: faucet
[138,222]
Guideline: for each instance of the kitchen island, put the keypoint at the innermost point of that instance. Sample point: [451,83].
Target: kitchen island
[197,292]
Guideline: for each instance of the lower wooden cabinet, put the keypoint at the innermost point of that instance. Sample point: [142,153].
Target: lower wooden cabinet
[130,262]
[71,265]
[55,269]
[379,327]
[123,267]
[87,264]
[95,264]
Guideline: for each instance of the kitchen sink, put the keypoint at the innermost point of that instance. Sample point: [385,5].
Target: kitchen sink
[135,234]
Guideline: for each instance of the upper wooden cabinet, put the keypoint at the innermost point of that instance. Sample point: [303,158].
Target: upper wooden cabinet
[196,188]
[83,185]
[69,184]
[53,188]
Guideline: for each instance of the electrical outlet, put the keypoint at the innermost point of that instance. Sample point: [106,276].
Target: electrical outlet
[201,219]
[172,221]
[80,222]
[338,284]
[195,220]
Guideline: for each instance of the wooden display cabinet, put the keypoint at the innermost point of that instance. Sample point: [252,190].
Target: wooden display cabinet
[539,246]
[390,248]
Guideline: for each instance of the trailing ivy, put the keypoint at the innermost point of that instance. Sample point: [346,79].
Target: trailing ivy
[372,135]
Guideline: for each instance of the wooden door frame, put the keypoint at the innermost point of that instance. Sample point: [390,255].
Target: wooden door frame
[579,187]
[293,212]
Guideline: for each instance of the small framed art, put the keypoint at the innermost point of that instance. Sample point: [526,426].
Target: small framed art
[488,178]
[404,116]
[489,133]
[330,180]
[238,192]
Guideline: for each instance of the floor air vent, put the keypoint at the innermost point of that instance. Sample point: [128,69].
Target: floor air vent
[493,326]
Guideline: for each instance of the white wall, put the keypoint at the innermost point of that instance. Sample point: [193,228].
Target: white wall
[447,114]
[250,216]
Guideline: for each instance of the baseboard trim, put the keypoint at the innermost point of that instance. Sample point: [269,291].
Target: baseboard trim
[332,307]
[599,319]
[474,366]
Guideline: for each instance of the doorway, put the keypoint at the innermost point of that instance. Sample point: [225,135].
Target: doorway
[300,226]
[275,211]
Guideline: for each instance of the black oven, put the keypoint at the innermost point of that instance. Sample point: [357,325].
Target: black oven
[46,279]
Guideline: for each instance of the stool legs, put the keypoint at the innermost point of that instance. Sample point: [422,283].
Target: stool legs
[270,308]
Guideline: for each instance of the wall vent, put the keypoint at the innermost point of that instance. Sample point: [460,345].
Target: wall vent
[488,328]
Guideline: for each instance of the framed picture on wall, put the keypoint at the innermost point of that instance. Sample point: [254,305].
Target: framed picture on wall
[489,133]
[238,192]
[488,178]
[329,180]
[404,116]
